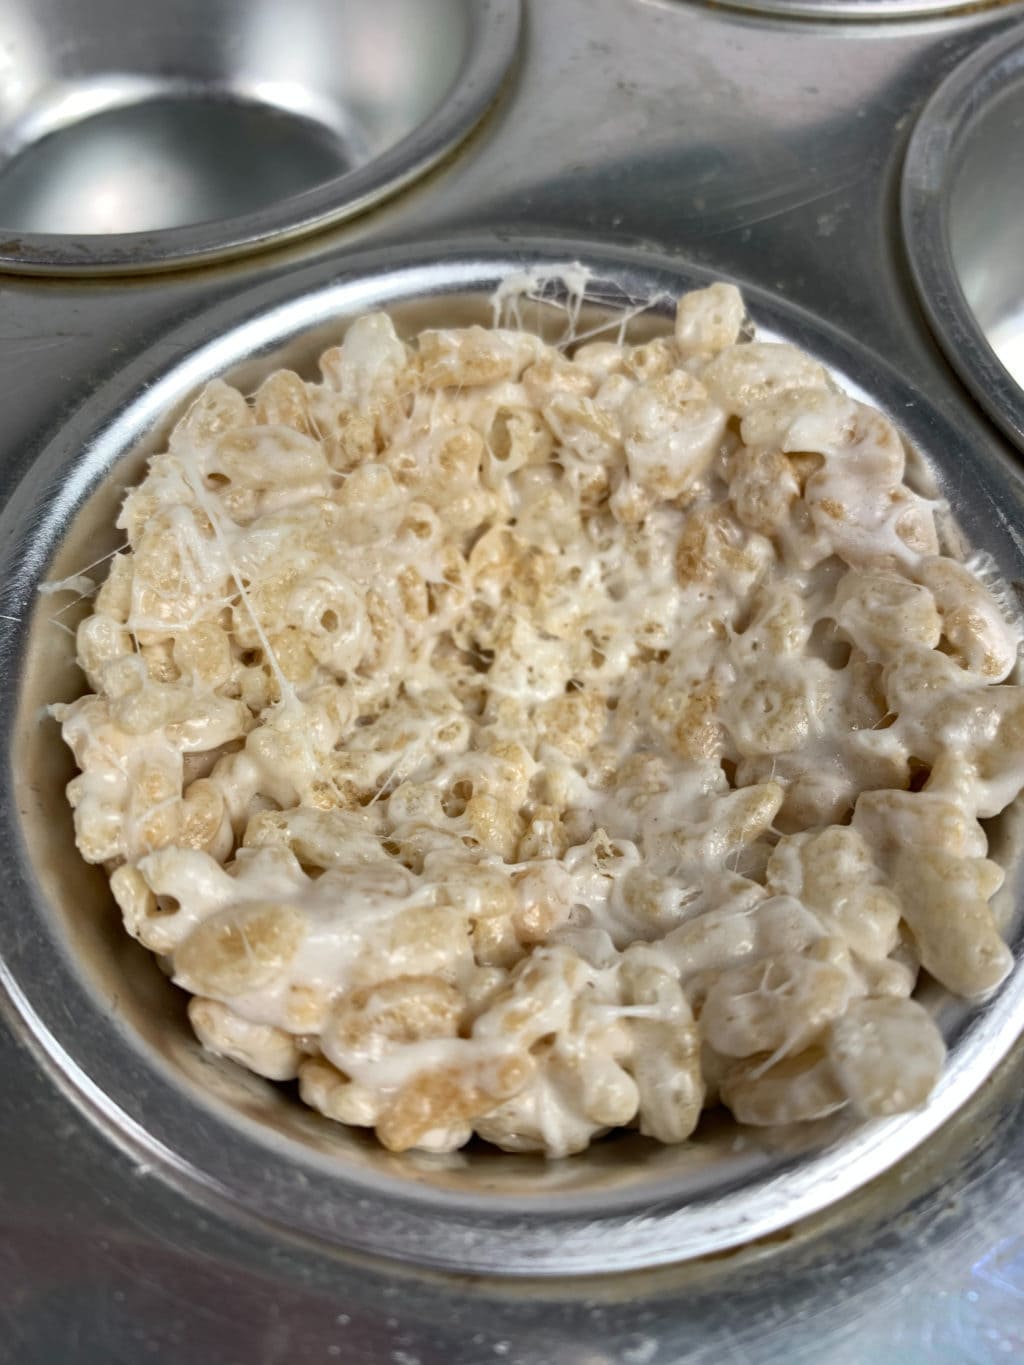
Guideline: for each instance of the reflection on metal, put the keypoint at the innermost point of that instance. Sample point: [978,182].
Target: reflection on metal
[217,128]
[963,207]
[623,1204]
[869,10]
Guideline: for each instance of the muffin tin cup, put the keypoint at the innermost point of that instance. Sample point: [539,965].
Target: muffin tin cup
[962,208]
[209,128]
[113,1029]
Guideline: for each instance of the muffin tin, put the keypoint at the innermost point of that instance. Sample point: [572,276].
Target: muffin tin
[163,1206]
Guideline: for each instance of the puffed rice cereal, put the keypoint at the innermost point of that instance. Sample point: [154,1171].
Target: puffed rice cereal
[530,741]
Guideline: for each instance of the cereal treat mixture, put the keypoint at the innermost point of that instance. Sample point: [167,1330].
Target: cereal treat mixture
[527,741]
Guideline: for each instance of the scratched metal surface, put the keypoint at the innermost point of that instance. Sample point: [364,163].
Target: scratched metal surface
[764,149]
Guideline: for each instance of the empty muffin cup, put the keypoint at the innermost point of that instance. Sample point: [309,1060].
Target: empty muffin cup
[963,203]
[197,131]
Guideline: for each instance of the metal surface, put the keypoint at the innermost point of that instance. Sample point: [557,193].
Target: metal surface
[216,127]
[108,1020]
[963,210]
[850,10]
[762,149]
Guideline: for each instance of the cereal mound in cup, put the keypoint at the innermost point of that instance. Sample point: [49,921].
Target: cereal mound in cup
[532,740]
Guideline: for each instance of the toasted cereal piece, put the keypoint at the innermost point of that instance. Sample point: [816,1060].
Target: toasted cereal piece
[802,423]
[543,892]
[696,731]
[762,488]
[774,707]
[599,359]
[158,656]
[746,928]
[944,899]
[743,378]
[778,1004]
[581,1084]
[650,359]
[168,893]
[709,320]
[494,825]
[319,838]
[603,1092]
[365,369]
[552,373]
[283,400]
[736,818]
[926,680]
[914,523]
[205,822]
[884,612]
[538,1000]
[305,1008]
[99,641]
[655,903]
[665,1063]
[865,446]
[153,810]
[796,1089]
[515,438]
[590,433]
[449,1096]
[834,874]
[671,433]
[713,546]
[981,638]
[348,437]
[203,654]
[324,1088]
[218,409]
[458,454]
[629,504]
[294,658]
[239,949]
[780,623]
[269,458]
[114,598]
[471,356]
[367,489]
[138,905]
[572,723]
[997,775]
[541,1117]
[856,499]
[424,939]
[887,1055]
[369,1023]
[886,976]
[893,820]
[267,1050]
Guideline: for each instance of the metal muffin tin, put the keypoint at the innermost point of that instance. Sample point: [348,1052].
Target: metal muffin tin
[203,128]
[159,1206]
[963,210]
